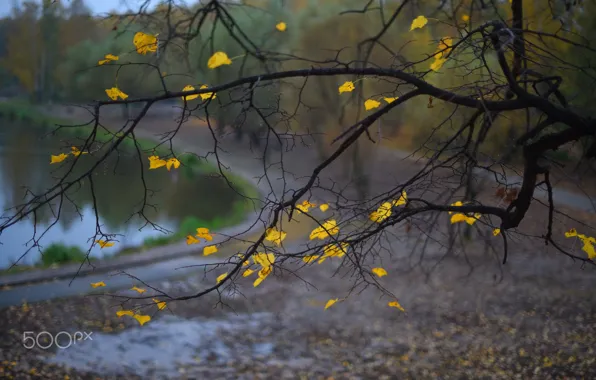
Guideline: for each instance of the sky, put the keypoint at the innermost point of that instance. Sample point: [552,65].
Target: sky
[96,6]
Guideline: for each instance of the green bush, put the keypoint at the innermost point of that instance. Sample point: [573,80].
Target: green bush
[58,253]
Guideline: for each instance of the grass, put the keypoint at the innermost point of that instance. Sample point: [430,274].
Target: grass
[22,111]
[54,255]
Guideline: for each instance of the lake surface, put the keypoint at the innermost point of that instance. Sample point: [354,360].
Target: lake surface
[117,188]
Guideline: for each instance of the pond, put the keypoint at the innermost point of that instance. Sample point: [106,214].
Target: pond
[117,188]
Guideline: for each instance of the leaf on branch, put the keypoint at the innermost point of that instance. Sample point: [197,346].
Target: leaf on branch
[207,95]
[396,305]
[121,313]
[203,233]
[248,272]
[371,104]
[189,97]
[379,272]
[281,26]
[346,87]
[588,242]
[142,319]
[59,158]
[209,250]
[160,304]
[436,66]
[221,277]
[390,100]
[324,207]
[219,58]
[265,260]
[191,240]
[138,290]
[108,58]
[403,199]
[418,23]
[172,162]
[310,258]
[330,303]
[98,284]
[327,229]
[145,43]
[275,236]
[305,206]
[155,162]
[114,93]
[104,244]
[334,250]
[382,213]
[76,152]
[496,232]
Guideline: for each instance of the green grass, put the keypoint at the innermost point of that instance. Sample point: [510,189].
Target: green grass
[23,111]
[54,255]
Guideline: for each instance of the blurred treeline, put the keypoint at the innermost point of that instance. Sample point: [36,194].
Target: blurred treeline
[49,52]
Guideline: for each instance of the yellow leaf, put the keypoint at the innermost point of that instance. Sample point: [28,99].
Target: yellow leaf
[403,199]
[138,290]
[207,95]
[496,231]
[264,259]
[472,219]
[305,206]
[456,204]
[104,244]
[160,304]
[437,64]
[258,281]
[203,233]
[191,240]
[281,26]
[120,313]
[189,97]
[370,104]
[465,18]
[145,43]
[172,162]
[390,100]
[210,249]
[347,87]
[108,58]
[142,319]
[218,59]
[114,93]
[571,233]
[334,250]
[396,305]
[248,272]
[456,218]
[444,47]
[330,303]
[309,259]
[98,284]
[379,272]
[324,207]
[327,229]
[382,213]
[59,158]
[155,162]
[418,22]
[275,236]
[265,271]
[76,152]
[221,277]
[589,249]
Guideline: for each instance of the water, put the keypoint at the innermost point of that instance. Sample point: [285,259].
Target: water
[118,191]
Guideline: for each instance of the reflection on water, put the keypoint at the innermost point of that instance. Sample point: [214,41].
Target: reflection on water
[117,188]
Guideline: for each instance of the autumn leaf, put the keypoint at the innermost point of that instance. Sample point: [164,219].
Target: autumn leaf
[172,162]
[310,258]
[209,250]
[142,319]
[59,158]
[437,64]
[347,87]
[390,100]
[76,152]
[191,240]
[275,236]
[396,305]
[155,162]
[305,206]
[108,58]
[221,277]
[465,18]
[104,244]
[382,213]
[114,93]
[218,59]
[203,233]
[327,229]
[334,250]
[496,231]
[281,26]
[403,199]
[265,271]
[571,233]
[145,43]
[444,47]
[324,207]
[258,282]
[379,272]
[264,259]
[160,304]
[248,272]
[456,204]
[207,95]
[121,313]
[330,303]
[98,284]
[189,97]
[138,290]
[588,247]
[371,104]
[418,23]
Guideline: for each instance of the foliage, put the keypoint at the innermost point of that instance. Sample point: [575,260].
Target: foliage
[59,254]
